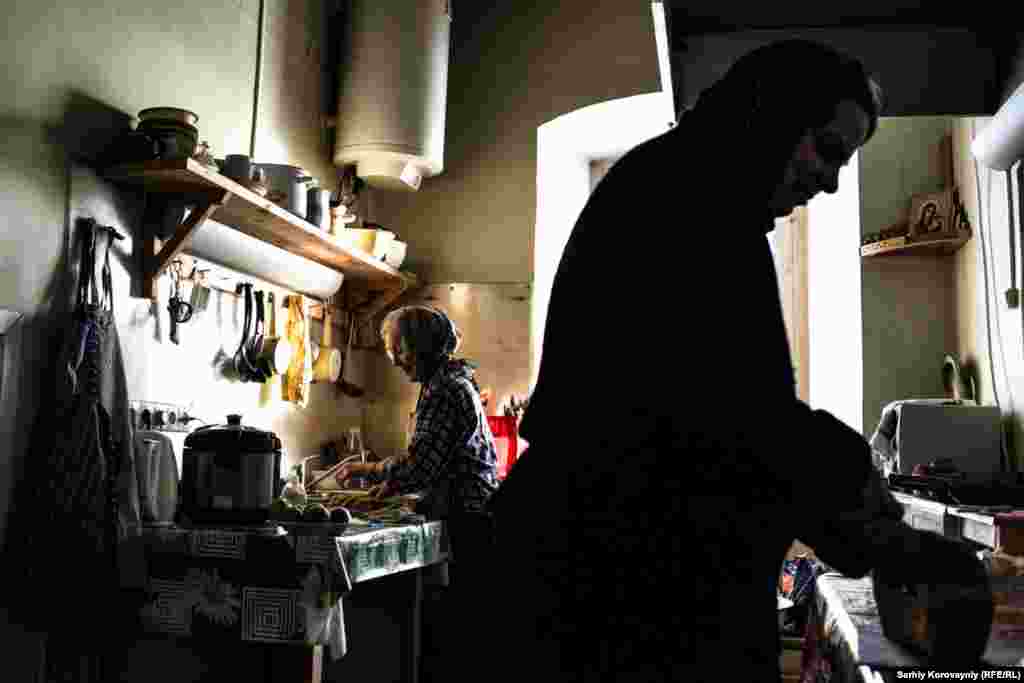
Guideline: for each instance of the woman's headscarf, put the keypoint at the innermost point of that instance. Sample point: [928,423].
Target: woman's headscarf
[749,122]
[425,332]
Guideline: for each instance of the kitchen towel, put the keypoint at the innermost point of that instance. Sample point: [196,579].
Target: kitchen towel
[300,373]
[325,620]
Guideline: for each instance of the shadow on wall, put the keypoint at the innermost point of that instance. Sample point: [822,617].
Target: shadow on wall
[31,159]
[43,156]
[37,266]
[40,159]
[89,128]
[89,133]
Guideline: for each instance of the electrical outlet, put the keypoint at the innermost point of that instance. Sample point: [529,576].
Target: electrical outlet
[166,417]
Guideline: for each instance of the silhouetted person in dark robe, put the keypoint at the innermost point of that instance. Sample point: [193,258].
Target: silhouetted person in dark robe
[671,464]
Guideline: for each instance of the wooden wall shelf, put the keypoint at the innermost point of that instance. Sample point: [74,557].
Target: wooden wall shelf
[903,245]
[229,203]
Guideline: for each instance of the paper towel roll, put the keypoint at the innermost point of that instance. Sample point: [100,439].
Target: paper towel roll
[227,247]
[1001,143]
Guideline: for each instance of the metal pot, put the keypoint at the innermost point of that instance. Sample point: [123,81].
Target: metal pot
[287,186]
[230,473]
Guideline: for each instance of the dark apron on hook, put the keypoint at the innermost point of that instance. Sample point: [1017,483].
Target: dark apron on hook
[80,482]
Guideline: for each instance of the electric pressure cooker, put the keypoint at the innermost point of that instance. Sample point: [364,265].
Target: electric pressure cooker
[230,474]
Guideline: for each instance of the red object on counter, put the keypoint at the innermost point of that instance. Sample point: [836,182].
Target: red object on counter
[506,440]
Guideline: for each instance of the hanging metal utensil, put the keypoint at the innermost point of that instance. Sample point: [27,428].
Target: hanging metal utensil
[242,363]
[256,342]
[237,358]
[346,387]
[179,309]
[276,352]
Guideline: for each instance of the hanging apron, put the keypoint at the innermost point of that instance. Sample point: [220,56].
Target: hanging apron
[82,488]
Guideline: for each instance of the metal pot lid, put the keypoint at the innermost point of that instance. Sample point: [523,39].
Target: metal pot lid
[233,436]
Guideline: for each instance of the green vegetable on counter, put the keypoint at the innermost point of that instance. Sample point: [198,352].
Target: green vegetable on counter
[315,513]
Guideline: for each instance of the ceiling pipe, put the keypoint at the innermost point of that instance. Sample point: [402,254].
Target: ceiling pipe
[1002,142]
[259,73]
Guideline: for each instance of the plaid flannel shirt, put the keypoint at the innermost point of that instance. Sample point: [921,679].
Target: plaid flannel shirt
[452,450]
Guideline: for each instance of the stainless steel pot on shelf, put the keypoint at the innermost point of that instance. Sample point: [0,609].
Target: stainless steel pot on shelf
[287,186]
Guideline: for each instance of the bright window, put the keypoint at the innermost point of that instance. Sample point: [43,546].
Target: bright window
[789,247]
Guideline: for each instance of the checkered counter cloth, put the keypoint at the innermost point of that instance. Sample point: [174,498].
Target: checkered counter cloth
[236,583]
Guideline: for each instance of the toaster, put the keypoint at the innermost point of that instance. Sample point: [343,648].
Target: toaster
[969,435]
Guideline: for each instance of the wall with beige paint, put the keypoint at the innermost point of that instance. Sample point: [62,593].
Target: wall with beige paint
[512,69]
[472,227]
[990,338]
[74,75]
[908,299]
[495,323]
[942,301]
[969,314]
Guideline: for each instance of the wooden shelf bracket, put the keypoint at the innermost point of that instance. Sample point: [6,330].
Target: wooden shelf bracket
[159,257]
[209,192]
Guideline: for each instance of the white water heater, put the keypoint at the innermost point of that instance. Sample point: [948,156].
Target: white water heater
[392,91]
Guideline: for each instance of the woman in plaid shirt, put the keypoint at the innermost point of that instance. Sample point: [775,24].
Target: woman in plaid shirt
[452,457]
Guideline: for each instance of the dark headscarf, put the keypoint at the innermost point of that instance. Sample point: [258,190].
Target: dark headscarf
[750,121]
[430,335]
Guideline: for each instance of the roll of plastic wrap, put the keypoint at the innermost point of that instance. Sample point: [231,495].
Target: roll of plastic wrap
[232,249]
[1001,143]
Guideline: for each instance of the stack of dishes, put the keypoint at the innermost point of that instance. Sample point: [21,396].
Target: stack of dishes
[173,129]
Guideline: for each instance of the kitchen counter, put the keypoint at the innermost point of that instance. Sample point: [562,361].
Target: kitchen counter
[846,640]
[232,586]
[987,528]
[845,632]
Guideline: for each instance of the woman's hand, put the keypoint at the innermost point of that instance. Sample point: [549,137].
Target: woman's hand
[379,491]
[353,469]
[877,505]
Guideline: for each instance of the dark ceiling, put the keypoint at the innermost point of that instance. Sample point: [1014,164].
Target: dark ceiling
[698,17]
[948,41]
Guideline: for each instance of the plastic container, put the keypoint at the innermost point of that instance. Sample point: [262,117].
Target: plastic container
[381,243]
[360,238]
[396,254]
